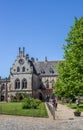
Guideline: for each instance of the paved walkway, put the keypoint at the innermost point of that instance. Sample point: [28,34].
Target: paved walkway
[65,113]
[65,120]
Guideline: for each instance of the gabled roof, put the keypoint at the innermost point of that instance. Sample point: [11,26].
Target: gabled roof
[46,68]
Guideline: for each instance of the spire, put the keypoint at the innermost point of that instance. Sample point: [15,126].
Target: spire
[27,56]
[46,59]
[21,52]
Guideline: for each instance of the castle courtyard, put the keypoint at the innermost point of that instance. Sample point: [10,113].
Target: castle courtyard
[65,120]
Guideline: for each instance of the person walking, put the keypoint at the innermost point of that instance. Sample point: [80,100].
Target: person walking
[54,103]
[77,102]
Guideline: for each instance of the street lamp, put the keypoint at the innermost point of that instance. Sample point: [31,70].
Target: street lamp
[0,88]
[6,92]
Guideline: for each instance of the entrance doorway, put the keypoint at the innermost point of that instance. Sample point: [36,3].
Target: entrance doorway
[40,96]
[2,97]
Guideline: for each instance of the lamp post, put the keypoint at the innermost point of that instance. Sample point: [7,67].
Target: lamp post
[0,88]
[6,92]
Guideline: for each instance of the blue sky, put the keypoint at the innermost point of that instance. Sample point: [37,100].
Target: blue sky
[41,26]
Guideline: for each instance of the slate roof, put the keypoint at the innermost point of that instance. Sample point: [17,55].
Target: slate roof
[46,68]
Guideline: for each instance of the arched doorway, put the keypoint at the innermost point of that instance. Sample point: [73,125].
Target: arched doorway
[2,98]
[40,96]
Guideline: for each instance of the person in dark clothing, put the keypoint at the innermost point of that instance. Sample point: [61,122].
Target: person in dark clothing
[55,103]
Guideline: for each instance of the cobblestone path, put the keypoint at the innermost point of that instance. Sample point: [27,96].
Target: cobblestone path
[28,123]
[64,120]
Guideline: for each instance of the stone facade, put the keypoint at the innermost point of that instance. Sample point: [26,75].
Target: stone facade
[33,77]
[46,69]
[21,73]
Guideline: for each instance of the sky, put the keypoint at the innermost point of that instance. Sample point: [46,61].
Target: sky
[41,26]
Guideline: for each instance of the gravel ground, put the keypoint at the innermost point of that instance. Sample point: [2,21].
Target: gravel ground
[28,123]
[64,120]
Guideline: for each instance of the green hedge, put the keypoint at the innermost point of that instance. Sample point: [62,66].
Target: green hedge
[30,103]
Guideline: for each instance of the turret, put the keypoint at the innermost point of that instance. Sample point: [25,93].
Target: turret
[27,56]
[46,59]
[21,52]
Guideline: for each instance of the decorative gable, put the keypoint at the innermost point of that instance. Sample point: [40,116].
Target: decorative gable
[21,65]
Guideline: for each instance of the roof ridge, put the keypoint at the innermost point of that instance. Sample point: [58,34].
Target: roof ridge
[49,61]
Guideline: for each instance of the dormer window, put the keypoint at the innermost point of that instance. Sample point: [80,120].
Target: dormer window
[51,70]
[42,71]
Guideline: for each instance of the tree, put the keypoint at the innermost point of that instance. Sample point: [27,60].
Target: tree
[70,71]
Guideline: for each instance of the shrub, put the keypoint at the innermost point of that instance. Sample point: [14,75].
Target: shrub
[18,97]
[37,101]
[30,103]
[77,112]
[13,98]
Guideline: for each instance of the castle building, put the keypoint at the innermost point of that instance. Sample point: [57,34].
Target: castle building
[33,77]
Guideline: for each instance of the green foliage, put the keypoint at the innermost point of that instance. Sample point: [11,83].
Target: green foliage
[77,109]
[30,103]
[18,97]
[15,108]
[70,71]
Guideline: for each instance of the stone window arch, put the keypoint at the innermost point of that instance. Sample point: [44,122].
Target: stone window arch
[24,83]
[18,69]
[47,83]
[3,87]
[17,84]
[23,69]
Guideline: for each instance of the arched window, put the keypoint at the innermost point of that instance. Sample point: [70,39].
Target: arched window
[18,69]
[23,69]
[24,84]
[47,83]
[17,84]
[3,87]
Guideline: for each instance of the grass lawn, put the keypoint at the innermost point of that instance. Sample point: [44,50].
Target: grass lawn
[15,108]
[73,106]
